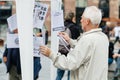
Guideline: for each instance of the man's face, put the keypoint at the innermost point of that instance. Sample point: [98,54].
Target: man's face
[83,22]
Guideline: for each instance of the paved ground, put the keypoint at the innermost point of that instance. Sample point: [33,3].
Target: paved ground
[3,74]
[45,73]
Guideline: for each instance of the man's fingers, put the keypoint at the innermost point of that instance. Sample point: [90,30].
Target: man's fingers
[43,49]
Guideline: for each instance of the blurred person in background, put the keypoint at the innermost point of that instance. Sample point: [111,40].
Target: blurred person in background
[11,58]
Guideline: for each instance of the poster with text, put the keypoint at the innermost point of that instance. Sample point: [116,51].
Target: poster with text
[57,20]
[37,42]
[40,11]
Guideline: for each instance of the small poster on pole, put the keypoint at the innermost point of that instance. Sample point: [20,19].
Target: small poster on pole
[57,20]
[12,22]
[40,11]
[37,42]
[12,41]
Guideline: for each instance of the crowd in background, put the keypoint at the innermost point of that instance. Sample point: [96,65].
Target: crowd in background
[112,30]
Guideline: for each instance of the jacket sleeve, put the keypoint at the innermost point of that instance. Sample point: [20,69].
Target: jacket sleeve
[73,43]
[80,54]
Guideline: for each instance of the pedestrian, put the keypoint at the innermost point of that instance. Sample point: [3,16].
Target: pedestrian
[111,53]
[116,56]
[11,58]
[88,60]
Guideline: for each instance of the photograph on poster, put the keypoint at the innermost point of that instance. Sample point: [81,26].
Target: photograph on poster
[37,41]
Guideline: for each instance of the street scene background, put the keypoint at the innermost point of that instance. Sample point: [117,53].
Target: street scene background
[110,10]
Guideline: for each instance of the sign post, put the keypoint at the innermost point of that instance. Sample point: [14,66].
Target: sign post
[55,6]
[24,12]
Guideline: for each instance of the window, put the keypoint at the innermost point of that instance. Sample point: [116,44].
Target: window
[80,6]
[81,3]
[5,11]
[103,3]
[104,6]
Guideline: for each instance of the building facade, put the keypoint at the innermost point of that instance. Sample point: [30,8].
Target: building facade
[109,8]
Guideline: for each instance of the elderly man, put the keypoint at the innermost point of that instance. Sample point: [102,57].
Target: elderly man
[88,60]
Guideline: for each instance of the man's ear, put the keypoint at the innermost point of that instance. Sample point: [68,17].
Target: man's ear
[87,21]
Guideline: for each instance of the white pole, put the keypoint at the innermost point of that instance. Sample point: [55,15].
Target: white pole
[24,11]
[55,6]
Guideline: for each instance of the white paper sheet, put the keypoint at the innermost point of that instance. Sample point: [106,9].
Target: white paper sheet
[12,22]
[57,20]
[63,42]
[12,41]
[37,42]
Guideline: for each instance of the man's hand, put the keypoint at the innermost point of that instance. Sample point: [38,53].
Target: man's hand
[5,59]
[65,36]
[45,50]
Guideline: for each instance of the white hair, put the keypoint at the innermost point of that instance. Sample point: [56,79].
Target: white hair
[94,14]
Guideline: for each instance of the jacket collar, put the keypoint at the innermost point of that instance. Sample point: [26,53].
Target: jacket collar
[92,31]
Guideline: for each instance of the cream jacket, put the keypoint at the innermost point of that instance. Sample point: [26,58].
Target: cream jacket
[89,58]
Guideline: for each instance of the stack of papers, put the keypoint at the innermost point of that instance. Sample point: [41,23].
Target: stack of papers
[63,42]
